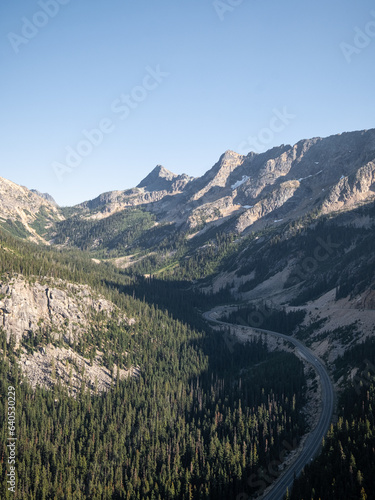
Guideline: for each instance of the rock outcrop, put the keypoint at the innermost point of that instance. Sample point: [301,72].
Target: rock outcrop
[66,309]
[51,365]
[45,196]
[161,179]
[67,312]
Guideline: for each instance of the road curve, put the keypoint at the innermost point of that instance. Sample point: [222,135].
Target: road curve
[314,439]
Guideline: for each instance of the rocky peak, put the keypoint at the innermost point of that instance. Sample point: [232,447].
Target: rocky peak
[45,196]
[159,179]
[218,175]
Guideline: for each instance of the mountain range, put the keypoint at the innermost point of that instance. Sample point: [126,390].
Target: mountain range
[108,291]
[244,193]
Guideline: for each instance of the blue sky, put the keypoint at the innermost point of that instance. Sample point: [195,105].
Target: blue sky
[96,93]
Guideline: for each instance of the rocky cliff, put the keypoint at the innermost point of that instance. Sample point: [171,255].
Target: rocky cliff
[64,308]
[60,314]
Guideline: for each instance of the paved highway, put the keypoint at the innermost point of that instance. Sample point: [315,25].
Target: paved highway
[314,439]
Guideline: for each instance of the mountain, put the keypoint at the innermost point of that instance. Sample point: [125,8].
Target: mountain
[105,312]
[239,194]
[26,213]
[157,186]
[46,196]
[161,179]
[327,175]
[318,174]
[250,226]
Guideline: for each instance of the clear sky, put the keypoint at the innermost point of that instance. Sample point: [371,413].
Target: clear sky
[95,93]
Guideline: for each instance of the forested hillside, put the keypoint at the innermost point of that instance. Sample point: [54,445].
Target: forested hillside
[181,412]
[197,422]
[345,468]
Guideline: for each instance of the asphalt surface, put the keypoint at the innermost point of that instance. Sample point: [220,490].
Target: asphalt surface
[314,439]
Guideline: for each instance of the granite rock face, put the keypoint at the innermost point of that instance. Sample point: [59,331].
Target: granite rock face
[66,309]
[68,312]
[50,365]
[161,179]
[45,196]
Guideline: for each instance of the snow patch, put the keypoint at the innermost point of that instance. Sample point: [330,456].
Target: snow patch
[311,175]
[239,183]
[303,178]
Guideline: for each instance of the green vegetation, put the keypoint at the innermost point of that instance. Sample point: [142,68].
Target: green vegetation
[15,228]
[108,237]
[345,468]
[202,417]
[196,424]
[41,220]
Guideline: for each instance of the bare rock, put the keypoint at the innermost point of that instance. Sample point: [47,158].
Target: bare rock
[65,308]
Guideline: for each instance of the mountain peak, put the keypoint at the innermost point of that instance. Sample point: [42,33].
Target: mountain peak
[163,172]
[46,196]
[158,179]
[161,179]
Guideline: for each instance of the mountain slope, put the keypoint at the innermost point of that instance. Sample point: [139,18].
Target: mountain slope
[238,194]
[284,238]
[26,213]
[182,377]
[246,193]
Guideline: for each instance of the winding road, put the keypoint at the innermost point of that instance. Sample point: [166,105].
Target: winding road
[314,439]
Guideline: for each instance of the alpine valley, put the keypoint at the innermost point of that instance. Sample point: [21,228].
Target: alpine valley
[196,338]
